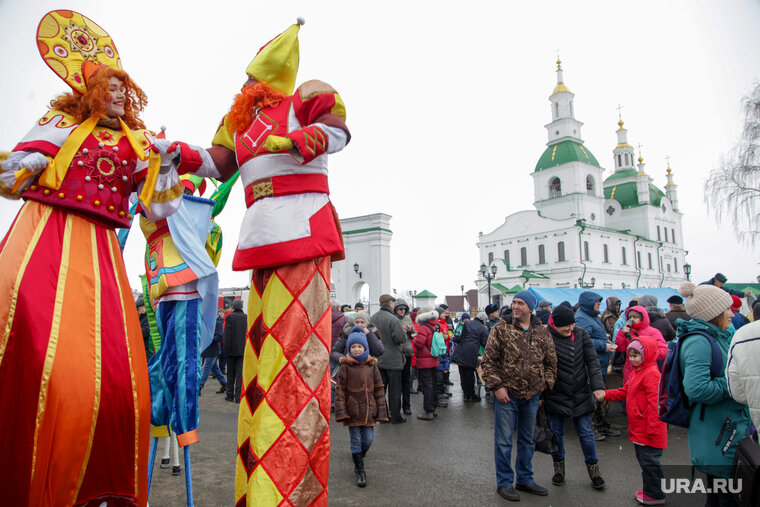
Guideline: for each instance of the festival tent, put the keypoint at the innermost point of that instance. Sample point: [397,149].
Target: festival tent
[556,296]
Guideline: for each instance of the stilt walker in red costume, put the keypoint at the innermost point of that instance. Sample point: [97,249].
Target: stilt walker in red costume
[290,233]
[74,394]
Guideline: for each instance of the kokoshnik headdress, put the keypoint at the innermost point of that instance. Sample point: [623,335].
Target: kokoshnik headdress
[75,47]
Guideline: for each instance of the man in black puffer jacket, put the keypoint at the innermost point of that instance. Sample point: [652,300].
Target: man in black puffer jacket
[578,374]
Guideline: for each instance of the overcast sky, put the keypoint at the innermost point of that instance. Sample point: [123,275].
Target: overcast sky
[446,103]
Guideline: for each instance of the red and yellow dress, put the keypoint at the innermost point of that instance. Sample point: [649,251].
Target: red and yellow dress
[73,377]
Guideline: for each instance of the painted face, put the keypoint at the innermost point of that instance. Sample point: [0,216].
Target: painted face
[360,322]
[634,357]
[565,330]
[116,97]
[357,349]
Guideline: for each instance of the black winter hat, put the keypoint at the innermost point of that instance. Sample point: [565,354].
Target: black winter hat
[562,316]
[491,308]
[675,300]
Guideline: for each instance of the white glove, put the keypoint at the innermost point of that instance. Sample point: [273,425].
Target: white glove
[167,149]
[35,162]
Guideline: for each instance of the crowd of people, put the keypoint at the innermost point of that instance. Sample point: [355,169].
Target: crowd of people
[532,355]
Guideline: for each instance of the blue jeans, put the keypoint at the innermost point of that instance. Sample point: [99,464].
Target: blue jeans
[361,438]
[520,414]
[582,425]
[210,365]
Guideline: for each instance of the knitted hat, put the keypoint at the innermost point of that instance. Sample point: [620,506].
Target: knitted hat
[637,346]
[465,315]
[675,300]
[237,304]
[361,315]
[359,306]
[357,336]
[737,303]
[139,301]
[704,302]
[482,317]
[562,316]
[528,297]
[440,310]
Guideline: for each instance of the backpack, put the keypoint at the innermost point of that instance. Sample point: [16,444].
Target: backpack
[438,347]
[674,405]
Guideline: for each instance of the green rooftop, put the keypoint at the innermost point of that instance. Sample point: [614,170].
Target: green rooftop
[564,152]
[425,294]
[628,197]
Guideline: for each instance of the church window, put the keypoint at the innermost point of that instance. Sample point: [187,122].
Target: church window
[626,159]
[506,258]
[590,184]
[490,258]
[668,268]
[585,251]
[555,187]
[523,256]
[541,254]
[658,233]
[674,235]
[638,260]
[675,266]
[571,111]
[625,261]
[606,253]
[561,251]
[649,255]
[620,160]
[556,110]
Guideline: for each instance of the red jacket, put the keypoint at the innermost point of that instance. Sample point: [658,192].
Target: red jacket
[640,394]
[640,329]
[424,340]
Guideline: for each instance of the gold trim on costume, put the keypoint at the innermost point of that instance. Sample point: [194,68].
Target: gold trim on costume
[52,346]
[169,194]
[98,358]
[22,269]
[111,236]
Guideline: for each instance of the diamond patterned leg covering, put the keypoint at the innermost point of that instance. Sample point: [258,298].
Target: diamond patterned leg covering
[283,423]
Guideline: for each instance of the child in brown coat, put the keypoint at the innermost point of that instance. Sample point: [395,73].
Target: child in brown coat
[359,399]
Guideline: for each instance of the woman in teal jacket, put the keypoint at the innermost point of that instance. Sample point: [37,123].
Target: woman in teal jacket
[717,422]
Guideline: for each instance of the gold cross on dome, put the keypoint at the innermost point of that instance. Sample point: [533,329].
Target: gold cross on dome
[620,116]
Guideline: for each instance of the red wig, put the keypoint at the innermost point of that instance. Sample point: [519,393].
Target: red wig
[250,99]
[93,102]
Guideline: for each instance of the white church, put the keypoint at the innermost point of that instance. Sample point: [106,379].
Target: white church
[586,231]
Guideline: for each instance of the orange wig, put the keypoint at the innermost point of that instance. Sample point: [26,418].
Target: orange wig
[250,99]
[93,103]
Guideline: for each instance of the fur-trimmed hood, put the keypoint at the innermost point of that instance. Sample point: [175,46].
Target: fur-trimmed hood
[350,360]
[423,317]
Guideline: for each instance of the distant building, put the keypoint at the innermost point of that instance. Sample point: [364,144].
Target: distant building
[586,230]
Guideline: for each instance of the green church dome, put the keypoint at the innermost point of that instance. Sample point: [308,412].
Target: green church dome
[564,152]
[626,194]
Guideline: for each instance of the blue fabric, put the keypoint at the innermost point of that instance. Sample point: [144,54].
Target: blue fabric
[582,426]
[174,369]
[189,228]
[520,415]
[361,438]
[123,234]
[738,321]
[556,296]
[589,320]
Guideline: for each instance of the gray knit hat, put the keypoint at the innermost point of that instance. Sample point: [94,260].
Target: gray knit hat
[704,302]
[361,314]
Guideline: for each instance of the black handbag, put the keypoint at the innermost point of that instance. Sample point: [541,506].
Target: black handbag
[543,436]
[745,474]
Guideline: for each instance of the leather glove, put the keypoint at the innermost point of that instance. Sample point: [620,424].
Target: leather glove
[35,162]
[276,144]
[167,149]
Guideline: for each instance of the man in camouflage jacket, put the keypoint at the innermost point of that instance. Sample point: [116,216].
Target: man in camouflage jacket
[519,362]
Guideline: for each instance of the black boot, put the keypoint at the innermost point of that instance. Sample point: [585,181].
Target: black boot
[446,380]
[361,477]
[595,475]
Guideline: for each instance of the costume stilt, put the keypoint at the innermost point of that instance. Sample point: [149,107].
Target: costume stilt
[73,376]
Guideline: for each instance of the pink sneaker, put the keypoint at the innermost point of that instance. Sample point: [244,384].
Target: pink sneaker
[648,500]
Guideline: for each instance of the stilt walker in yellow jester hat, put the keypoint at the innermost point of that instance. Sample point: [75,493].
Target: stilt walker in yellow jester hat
[290,233]
[74,393]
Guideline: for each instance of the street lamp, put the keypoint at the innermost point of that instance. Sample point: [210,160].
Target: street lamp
[356,269]
[687,271]
[586,285]
[461,288]
[488,276]
[413,293]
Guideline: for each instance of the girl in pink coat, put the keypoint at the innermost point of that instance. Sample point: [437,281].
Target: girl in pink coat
[638,325]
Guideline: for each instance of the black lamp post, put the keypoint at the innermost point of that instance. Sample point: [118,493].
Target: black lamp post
[461,288]
[356,269]
[687,271]
[413,293]
[586,285]
[488,276]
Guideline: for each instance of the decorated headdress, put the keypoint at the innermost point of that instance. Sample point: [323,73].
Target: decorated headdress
[75,47]
[276,63]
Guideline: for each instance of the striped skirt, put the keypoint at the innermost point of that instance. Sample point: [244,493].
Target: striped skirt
[74,392]
[284,418]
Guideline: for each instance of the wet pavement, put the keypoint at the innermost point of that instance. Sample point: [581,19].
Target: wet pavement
[448,461]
